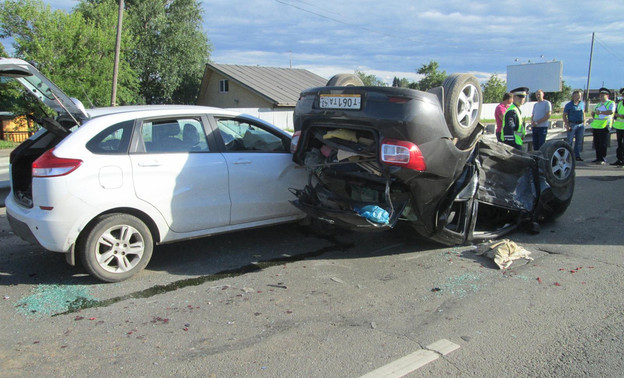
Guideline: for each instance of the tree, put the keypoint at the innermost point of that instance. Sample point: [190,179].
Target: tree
[494,89]
[3,52]
[164,48]
[172,51]
[370,80]
[432,77]
[400,83]
[74,51]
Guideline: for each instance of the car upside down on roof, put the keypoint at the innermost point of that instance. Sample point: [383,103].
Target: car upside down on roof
[378,155]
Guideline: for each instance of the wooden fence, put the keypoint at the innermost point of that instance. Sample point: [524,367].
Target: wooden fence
[15,136]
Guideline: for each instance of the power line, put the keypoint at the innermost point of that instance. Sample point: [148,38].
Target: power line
[609,50]
[341,21]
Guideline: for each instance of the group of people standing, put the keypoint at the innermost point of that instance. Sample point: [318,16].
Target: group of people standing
[511,127]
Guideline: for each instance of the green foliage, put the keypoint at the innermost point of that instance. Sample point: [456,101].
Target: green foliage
[163,48]
[400,83]
[432,77]
[6,144]
[76,52]
[494,89]
[370,80]
[173,49]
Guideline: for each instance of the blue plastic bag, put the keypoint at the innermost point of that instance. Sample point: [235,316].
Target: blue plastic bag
[374,214]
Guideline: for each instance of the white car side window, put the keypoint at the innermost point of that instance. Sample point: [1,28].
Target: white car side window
[239,135]
[174,135]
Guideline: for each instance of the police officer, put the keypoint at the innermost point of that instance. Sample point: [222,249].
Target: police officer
[603,117]
[514,128]
[618,125]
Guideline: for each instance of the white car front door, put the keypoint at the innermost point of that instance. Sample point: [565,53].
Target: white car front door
[261,171]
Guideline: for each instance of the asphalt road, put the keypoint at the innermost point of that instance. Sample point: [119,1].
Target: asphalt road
[279,302]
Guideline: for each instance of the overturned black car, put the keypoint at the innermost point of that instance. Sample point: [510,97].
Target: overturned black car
[377,155]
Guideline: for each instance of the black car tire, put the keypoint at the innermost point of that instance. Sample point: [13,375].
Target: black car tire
[463,100]
[112,241]
[559,163]
[345,80]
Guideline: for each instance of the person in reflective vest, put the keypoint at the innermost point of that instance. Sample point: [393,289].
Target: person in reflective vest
[618,125]
[514,128]
[603,117]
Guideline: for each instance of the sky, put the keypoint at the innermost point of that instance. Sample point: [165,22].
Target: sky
[396,37]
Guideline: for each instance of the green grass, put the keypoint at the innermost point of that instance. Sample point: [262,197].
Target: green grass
[554,117]
[5,144]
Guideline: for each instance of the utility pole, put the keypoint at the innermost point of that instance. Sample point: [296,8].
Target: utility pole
[117,49]
[591,54]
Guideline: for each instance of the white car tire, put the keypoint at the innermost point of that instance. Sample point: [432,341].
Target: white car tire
[116,247]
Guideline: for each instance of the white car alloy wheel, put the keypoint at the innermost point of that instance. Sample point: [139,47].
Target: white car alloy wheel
[117,247]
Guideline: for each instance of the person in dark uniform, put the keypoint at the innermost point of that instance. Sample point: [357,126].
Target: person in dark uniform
[514,128]
[603,117]
[618,125]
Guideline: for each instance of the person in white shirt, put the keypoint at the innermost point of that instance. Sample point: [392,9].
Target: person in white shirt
[540,119]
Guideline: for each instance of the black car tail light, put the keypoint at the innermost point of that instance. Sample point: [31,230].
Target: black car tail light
[398,100]
[403,154]
[49,165]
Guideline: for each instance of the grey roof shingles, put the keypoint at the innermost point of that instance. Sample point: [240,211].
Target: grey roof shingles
[281,86]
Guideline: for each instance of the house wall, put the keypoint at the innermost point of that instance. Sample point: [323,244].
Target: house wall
[15,129]
[282,117]
[236,97]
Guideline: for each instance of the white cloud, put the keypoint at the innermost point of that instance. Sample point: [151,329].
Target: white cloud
[395,37]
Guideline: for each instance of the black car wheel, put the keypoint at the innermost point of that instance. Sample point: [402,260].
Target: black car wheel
[345,80]
[462,104]
[116,247]
[559,164]
[557,167]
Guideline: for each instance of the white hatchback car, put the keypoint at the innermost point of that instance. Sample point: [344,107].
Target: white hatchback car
[105,185]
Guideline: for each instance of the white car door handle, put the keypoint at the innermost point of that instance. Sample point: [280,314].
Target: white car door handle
[153,163]
[242,162]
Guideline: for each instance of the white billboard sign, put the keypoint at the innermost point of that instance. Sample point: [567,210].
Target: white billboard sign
[545,76]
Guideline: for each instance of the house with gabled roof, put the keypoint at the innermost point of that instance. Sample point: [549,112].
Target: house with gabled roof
[236,86]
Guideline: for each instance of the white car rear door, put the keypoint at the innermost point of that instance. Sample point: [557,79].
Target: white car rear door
[180,175]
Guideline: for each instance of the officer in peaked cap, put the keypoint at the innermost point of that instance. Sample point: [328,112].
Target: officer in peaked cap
[520,91]
[602,120]
[514,128]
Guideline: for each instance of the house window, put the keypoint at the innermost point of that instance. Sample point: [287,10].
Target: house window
[224,87]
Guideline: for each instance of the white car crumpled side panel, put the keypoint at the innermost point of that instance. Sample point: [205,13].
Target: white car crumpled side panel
[259,183]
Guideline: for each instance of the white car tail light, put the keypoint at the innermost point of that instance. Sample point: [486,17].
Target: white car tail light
[49,165]
[402,153]
[294,141]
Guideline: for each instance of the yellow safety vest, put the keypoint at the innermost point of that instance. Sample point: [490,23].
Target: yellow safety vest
[518,135]
[598,123]
[619,122]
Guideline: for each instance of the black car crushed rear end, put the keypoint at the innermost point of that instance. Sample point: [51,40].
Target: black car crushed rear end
[390,154]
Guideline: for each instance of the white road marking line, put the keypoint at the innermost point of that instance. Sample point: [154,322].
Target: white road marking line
[443,347]
[414,361]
